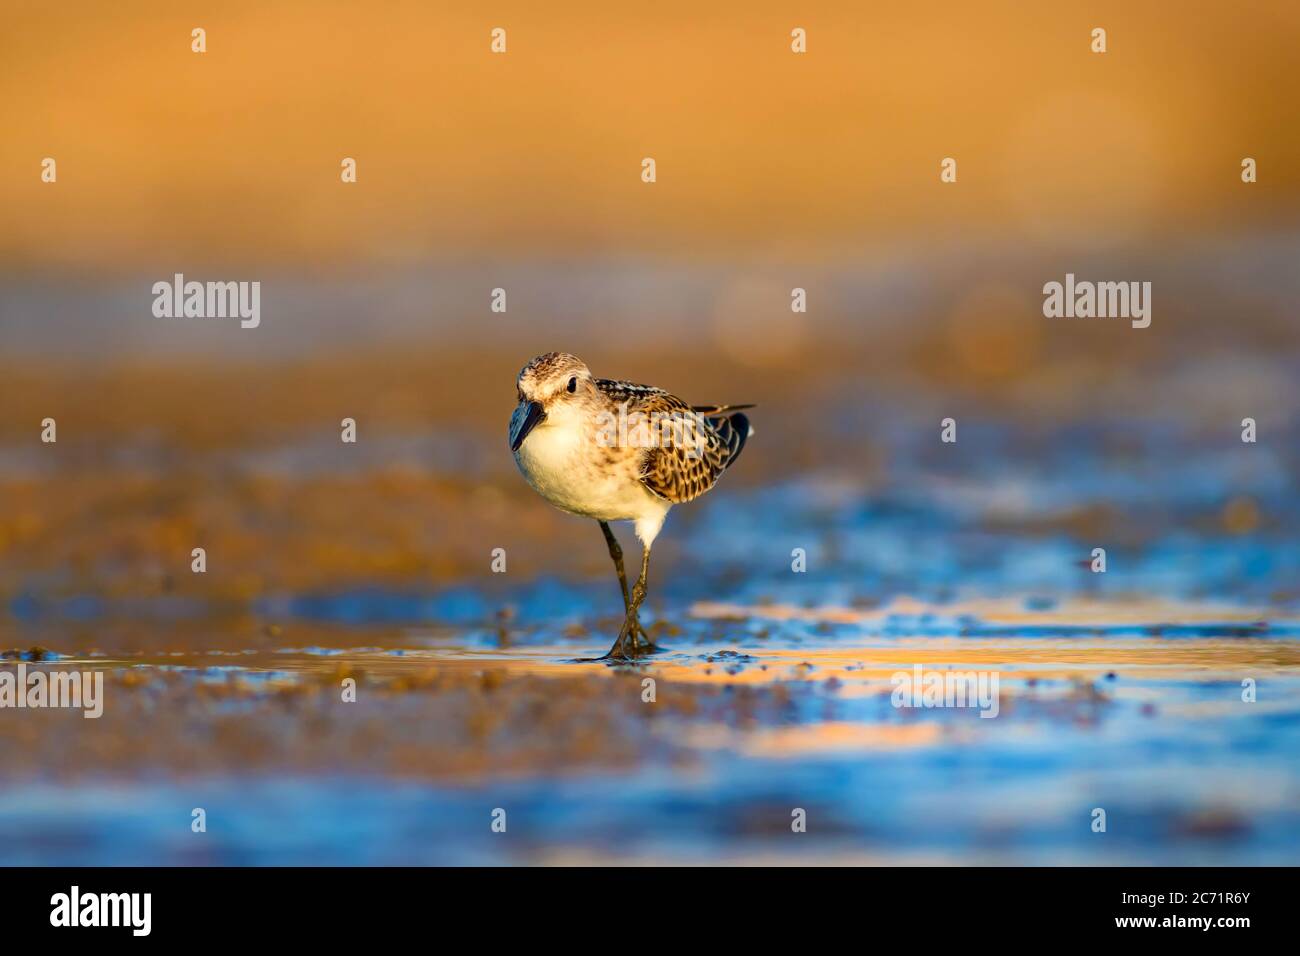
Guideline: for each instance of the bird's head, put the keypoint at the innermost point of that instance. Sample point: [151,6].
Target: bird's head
[550,386]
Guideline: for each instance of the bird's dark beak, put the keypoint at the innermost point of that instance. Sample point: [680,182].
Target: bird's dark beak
[522,424]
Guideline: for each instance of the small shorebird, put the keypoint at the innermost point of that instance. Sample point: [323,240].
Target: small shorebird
[615,451]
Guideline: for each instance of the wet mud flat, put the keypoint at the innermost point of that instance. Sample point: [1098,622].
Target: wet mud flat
[752,717]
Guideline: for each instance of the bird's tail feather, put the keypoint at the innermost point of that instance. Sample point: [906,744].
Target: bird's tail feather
[734,430]
[717,411]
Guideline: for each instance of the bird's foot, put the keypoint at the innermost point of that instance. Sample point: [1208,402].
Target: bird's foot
[632,642]
[642,641]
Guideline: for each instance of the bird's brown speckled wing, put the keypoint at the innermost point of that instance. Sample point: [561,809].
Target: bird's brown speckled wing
[682,470]
[679,471]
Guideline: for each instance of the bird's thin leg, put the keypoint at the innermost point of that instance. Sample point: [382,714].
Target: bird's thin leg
[625,634]
[616,555]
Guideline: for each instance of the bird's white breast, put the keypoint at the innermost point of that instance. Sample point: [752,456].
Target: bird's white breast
[567,467]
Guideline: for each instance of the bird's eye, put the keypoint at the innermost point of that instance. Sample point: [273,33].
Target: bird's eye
[573,384]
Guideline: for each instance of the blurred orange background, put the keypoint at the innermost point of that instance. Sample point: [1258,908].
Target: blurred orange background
[232,157]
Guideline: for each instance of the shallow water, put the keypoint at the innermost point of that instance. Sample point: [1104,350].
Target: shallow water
[759,710]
